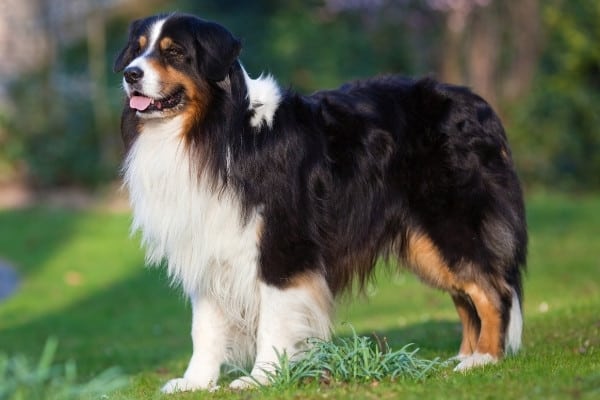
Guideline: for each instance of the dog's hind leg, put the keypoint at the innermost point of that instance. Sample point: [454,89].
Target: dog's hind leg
[480,306]
[470,325]
[490,343]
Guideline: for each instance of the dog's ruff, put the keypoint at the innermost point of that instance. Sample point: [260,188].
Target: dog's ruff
[266,204]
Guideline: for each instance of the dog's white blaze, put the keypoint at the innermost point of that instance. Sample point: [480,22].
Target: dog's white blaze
[151,84]
[155,32]
[515,326]
[264,96]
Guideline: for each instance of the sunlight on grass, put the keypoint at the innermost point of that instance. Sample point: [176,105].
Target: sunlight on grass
[93,255]
[84,283]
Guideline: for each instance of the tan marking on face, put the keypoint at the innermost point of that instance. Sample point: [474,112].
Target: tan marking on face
[142,42]
[196,94]
[470,324]
[165,43]
[490,336]
[424,259]
[197,99]
[315,284]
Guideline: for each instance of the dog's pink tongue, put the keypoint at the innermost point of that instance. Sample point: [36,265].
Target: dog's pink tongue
[139,102]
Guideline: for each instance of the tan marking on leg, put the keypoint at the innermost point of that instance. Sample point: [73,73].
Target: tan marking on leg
[488,309]
[425,260]
[470,325]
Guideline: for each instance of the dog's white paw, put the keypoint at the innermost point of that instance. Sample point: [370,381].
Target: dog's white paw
[475,360]
[460,357]
[186,385]
[249,382]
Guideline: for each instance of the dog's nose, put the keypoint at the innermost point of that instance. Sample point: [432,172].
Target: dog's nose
[133,74]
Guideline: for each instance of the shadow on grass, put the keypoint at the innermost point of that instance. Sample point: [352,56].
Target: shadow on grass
[433,338]
[136,324]
[141,324]
[20,235]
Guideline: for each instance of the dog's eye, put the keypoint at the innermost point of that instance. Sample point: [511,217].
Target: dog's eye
[136,50]
[174,51]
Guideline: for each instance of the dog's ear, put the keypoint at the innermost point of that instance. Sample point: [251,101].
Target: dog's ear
[128,53]
[217,50]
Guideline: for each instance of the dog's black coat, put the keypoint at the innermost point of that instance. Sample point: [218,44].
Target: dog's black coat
[343,176]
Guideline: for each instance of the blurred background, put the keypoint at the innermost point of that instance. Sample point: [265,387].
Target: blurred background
[68,271]
[536,61]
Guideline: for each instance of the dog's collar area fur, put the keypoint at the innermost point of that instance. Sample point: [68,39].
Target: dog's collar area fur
[264,96]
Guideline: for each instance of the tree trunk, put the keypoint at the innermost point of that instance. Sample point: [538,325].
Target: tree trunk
[525,18]
[483,54]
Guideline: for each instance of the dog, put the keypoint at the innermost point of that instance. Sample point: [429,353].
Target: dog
[265,204]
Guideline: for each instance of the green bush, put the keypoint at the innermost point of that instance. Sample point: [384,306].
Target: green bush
[59,138]
[556,129]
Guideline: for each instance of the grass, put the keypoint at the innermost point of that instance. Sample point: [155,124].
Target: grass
[84,284]
[356,359]
[20,378]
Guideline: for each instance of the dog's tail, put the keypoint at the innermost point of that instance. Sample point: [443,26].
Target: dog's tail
[514,306]
[514,328]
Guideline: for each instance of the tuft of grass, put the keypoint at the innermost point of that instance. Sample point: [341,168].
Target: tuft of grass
[365,359]
[356,359]
[21,379]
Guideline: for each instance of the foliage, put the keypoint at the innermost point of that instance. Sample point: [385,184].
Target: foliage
[20,379]
[62,142]
[556,128]
[63,136]
[56,138]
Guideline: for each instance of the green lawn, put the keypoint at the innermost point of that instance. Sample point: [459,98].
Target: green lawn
[84,283]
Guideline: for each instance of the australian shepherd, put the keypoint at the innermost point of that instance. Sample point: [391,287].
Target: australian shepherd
[266,204]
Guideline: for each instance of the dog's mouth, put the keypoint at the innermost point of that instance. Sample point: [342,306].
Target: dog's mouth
[145,104]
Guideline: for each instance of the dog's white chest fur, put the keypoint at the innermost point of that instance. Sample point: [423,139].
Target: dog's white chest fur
[199,233]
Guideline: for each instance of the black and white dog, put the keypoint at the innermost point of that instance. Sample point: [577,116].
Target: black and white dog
[266,204]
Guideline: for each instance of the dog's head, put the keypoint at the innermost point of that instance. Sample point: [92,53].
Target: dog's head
[170,61]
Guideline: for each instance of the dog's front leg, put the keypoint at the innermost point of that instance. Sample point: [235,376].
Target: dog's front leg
[288,317]
[209,340]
